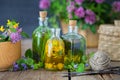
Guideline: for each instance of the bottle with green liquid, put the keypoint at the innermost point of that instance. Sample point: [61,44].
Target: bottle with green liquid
[75,45]
[40,36]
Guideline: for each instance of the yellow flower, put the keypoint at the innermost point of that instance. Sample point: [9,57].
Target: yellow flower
[8,22]
[60,66]
[48,66]
[16,25]
[54,66]
[2,28]
[60,47]
[55,42]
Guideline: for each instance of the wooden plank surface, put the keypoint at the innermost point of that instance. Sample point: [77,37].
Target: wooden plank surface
[42,75]
[52,75]
[9,75]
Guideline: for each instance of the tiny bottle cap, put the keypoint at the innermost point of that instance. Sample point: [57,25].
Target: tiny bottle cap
[72,23]
[43,14]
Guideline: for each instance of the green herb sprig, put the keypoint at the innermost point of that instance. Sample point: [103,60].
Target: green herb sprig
[26,62]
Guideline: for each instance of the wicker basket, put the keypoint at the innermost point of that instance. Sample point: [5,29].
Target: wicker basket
[109,40]
[9,53]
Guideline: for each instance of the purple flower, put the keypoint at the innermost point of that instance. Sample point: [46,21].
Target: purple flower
[90,19]
[86,65]
[19,30]
[89,12]
[80,12]
[44,4]
[71,7]
[15,37]
[15,67]
[116,6]
[99,1]
[79,1]
[24,66]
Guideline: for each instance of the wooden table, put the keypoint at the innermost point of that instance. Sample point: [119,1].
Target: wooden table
[50,75]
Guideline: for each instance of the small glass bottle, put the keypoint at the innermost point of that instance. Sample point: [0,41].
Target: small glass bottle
[75,45]
[40,36]
[54,51]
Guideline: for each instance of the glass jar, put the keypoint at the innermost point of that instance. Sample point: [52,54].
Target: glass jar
[54,51]
[40,36]
[75,45]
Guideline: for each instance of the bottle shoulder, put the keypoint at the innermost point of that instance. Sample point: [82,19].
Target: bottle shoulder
[56,39]
[41,29]
[41,33]
[72,36]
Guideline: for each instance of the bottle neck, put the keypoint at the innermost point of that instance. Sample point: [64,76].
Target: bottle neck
[43,22]
[73,30]
[55,32]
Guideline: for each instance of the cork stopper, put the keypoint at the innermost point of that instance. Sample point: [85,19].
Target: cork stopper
[72,23]
[43,14]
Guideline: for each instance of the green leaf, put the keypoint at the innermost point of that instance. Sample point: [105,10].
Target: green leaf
[81,68]
[2,40]
[20,61]
[70,67]
[35,67]
[13,30]
[93,29]
[41,64]
[24,34]
[91,54]
[29,61]
[2,37]
[29,53]
[85,26]
[84,58]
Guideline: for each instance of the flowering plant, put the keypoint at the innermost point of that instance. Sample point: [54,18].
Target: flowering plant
[116,10]
[57,9]
[26,62]
[11,32]
[91,13]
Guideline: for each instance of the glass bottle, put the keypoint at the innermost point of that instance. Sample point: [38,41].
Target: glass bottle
[75,45]
[40,36]
[54,51]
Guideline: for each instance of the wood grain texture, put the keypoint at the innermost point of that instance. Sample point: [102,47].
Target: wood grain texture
[10,75]
[88,77]
[107,77]
[51,75]
[115,77]
[2,74]
[42,75]
[9,53]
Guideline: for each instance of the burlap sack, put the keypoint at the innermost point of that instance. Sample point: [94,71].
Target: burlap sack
[109,40]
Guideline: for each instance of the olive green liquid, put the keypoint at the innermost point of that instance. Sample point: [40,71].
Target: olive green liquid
[39,39]
[74,50]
